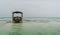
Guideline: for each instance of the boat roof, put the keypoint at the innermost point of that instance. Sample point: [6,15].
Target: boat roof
[17,12]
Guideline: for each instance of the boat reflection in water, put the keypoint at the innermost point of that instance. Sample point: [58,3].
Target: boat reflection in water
[16,29]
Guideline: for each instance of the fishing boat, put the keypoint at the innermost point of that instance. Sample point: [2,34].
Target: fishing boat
[17,16]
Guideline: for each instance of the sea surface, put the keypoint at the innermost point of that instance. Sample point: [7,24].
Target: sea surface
[31,26]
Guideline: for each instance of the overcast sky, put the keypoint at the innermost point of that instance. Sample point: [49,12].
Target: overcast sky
[30,8]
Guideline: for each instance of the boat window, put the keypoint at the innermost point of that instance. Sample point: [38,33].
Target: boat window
[18,14]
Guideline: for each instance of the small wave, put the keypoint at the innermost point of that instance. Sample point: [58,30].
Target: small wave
[32,20]
[40,21]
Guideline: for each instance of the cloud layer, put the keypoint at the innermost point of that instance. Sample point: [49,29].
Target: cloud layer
[30,8]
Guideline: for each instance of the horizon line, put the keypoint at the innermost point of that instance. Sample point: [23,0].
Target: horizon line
[31,17]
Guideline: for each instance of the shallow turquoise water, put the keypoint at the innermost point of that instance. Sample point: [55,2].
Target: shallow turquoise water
[40,27]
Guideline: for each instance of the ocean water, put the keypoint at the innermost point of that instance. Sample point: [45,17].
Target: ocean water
[30,26]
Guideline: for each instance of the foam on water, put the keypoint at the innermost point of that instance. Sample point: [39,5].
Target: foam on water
[41,20]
